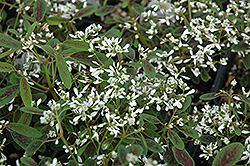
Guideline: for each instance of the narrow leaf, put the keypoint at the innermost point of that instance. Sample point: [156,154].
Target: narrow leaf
[90,9]
[113,32]
[188,131]
[9,42]
[44,161]
[28,161]
[149,69]
[25,92]
[241,46]
[31,29]
[204,75]
[135,64]
[8,93]
[39,10]
[125,3]
[168,157]
[151,133]
[182,157]
[153,146]
[245,99]
[122,153]
[209,96]
[130,54]
[120,19]
[24,130]
[150,118]
[63,71]
[175,139]
[56,20]
[33,146]
[229,155]
[6,53]
[106,144]
[246,61]
[77,44]
[32,110]
[72,163]
[89,162]
[186,104]
[6,67]
[104,10]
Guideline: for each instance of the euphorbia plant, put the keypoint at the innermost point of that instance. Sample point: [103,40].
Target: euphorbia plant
[122,95]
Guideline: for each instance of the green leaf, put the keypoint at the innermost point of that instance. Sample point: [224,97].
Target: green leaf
[39,9]
[37,96]
[82,149]
[246,61]
[120,19]
[135,149]
[188,131]
[186,104]
[151,133]
[168,157]
[241,46]
[104,10]
[125,3]
[24,130]
[130,54]
[14,32]
[6,67]
[106,144]
[9,42]
[149,69]
[21,140]
[77,44]
[56,20]
[183,157]
[245,99]
[32,110]
[153,146]
[209,96]
[89,162]
[244,80]
[28,161]
[113,32]
[175,139]
[31,29]
[137,8]
[90,9]
[34,146]
[135,64]
[25,119]
[207,139]
[6,53]
[8,93]
[63,71]
[150,118]
[122,153]
[204,75]
[229,155]
[25,92]
[72,163]
[44,161]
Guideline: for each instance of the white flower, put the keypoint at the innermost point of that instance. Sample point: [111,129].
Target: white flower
[234,82]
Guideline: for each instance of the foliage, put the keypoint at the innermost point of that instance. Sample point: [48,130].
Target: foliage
[123,92]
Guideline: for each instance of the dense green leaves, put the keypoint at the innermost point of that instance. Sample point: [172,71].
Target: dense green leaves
[39,10]
[175,139]
[24,130]
[183,157]
[90,9]
[63,71]
[25,92]
[229,155]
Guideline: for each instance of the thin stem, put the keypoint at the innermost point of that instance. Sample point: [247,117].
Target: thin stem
[189,11]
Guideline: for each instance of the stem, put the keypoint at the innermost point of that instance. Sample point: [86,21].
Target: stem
[64,140]
[189,11]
